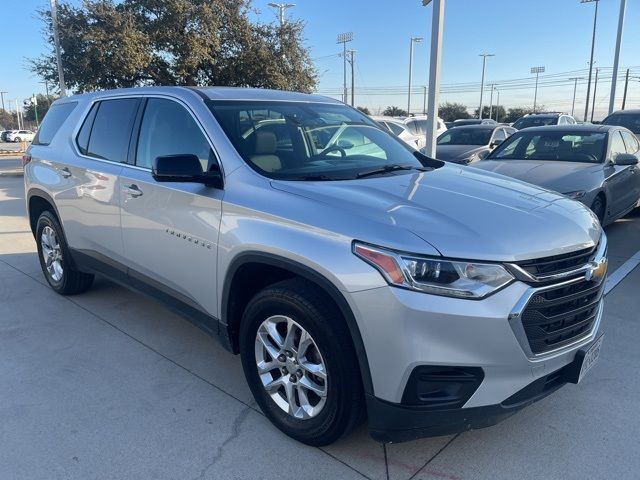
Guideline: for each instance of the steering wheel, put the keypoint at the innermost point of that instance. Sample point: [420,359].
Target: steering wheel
[333,148]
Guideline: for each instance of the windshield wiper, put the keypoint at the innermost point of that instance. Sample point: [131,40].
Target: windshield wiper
[388,169]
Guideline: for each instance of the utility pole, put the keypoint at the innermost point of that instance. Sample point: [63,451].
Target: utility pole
[2,95]
[626,85]
[281,9]
[575,86]
[424,101]
[484,64]
[344,38]
[437,26]
[412,40]
[491,101]
[593,44]
[56,41]
[46,87]
[351,61]
[498,105]
[537,71]
[18,116]
[616,57]
[595,87]
[34,101]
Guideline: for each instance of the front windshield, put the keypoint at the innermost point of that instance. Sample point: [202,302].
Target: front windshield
[627,120]
[465,136]
[309,141]
[552,145]
[526,122]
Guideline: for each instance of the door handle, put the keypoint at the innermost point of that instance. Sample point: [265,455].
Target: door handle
[132,190]
[65,172]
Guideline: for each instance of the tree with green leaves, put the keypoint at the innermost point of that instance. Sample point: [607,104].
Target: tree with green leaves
[43,104]
[127,43]
[364,110]
[452,111]
[394,111]
[515,113]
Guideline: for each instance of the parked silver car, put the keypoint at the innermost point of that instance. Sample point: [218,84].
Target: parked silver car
[354,275]
[470,144]
[597,165]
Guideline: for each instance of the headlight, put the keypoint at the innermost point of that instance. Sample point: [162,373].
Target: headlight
[577,195]
[439,276]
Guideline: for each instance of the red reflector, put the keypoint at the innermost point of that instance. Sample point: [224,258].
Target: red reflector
[25,159]
[386,263]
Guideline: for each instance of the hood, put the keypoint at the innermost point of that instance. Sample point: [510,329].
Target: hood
[457,153]
[562,177]
[460,211]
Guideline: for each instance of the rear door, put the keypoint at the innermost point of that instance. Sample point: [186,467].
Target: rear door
[170,230]
[90,202]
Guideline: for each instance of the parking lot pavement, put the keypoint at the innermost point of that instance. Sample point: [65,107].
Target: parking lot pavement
[109,384]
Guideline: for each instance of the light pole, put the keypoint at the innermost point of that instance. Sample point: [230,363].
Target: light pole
[351,61]
[344,38]
[46,87]
[56,41]
[593,44]
[537,71]
[595,87]
[484,64]
[2,95]
[616,57]
[437,26]
[411,42]
[626,85]
[281,9]
[491,101]
[424,101]
[497,105]
[575,86]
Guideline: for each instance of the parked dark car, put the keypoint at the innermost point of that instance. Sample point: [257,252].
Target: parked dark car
[625,118]
[471,143]
[541,119]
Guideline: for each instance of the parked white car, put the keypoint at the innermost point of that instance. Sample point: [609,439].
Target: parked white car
[20,136]
[418,125]
[402,131]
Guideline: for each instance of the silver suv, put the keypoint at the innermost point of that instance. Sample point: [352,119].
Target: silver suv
[355,276]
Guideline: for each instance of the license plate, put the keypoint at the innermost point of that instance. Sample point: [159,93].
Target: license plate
[590,357]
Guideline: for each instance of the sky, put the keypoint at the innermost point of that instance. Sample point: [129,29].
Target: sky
[522,34]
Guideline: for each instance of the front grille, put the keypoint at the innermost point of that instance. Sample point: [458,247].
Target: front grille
[558,263]
[555,317]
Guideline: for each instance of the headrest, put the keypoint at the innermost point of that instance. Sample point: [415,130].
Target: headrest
[266,143]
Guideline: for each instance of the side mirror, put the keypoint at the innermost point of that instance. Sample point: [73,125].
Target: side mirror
[345,144]
[496,142]
[183,168]
[625,159]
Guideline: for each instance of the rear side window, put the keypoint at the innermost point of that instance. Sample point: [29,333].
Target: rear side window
[110,130]
[53,120]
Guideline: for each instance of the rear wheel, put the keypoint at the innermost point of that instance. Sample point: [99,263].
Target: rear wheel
[55,259]
[300,364]
[599,207]
[17,140]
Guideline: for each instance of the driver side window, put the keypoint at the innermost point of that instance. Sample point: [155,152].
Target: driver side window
[617,146]
[167,128]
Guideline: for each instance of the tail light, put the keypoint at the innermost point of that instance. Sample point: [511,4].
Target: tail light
[25,159]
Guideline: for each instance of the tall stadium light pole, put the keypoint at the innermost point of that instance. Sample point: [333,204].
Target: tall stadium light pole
[56,41]
[484,64]
[593,44]
[626,85]
[616,57]
[344,38]
[411,42]
[537,71]
[437,26]
[351,59]
[595,87]
[575,86]
[281,9]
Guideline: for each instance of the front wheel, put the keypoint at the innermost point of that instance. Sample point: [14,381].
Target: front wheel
[17,140]
[300,364]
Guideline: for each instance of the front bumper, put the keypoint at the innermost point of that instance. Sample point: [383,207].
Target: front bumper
[404,330]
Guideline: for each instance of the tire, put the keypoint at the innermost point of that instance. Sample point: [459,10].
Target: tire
[298,304]
[599,207]
[55,259]
[17,140]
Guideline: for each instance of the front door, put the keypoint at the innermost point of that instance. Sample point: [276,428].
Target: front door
[621,179]
[170,230]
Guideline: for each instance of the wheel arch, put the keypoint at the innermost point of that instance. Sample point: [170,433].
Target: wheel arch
[37,202]
[273,268]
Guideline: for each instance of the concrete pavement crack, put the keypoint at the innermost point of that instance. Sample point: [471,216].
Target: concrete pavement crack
[434,456]
[235,431]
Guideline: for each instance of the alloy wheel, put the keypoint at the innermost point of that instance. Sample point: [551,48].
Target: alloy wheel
[51,253]
[291,367]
